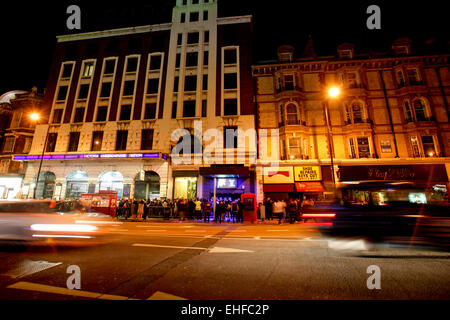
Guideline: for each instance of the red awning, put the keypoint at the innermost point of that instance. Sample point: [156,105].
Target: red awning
[309,187]
[289,187]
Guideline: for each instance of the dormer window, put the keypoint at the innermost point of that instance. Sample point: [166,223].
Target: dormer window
[413,76]
[286,57]
[401,50]
[346,54]
[400,78]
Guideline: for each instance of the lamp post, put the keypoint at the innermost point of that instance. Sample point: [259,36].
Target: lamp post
[35,117]
[333,93]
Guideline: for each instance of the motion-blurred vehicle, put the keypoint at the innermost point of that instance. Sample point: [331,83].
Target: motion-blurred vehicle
[45,222]
[388,213]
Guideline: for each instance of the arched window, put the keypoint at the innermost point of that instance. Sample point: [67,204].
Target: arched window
[77,184]
[111,180]
[292,114]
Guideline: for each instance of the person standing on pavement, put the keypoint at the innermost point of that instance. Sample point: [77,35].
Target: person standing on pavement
[140,210]
[262,211]
[240,211]
[278,210]
[268,206]
[206,210]
[198,209]
[234,211]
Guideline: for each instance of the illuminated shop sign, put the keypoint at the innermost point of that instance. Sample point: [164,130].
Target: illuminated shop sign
[93,156]
[308,173]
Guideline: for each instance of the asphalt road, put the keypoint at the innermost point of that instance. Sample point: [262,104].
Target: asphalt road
[199,261]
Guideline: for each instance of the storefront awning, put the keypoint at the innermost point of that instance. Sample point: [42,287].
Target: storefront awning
[309,187]
[278,187]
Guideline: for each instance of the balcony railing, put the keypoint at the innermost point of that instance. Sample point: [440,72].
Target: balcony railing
[420,119]
[357,121]
[289,88]
[292,123]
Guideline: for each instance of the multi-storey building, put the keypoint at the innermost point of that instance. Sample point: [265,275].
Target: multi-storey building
[16,135]
[122,99]
[390,122]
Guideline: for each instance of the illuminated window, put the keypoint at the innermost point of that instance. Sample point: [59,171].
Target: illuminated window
[88,70]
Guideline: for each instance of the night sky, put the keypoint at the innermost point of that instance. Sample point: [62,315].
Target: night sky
[28,29]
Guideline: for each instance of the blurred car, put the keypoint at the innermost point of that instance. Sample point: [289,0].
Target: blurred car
[389,221]
[43,222]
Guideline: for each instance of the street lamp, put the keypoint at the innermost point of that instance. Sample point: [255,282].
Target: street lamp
[332,93]
[36,117]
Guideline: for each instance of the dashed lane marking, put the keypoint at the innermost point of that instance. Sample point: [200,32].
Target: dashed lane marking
[64,291]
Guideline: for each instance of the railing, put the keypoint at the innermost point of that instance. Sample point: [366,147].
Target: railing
[292,123]
[357,121]
[289,88]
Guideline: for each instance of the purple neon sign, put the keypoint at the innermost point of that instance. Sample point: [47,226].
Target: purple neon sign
[92,156]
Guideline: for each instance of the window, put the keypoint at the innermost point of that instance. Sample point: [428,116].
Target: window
[282,115]
[191,59]
[51,142]
[110,65]
[194,1]
[189,109]
[352,148]
[97,138]
[205,15]
[289,82]
[67,71]
[174,110]
[193,17]
[176,82]
[230,81]
[192,38]
[121,140]
[190,83]
[128,88]
[79,115]
[125,112]
[73,141]
[150,111]
[27,145]
[352,80]
[132,64]
[205,82]
[84,91]
[88,69]
[408,112]
[230,137]
[415,146]
[413,76]
[386,146]
[204,108]
[184,2]
[205,58]
[230,56]
[357,113]
[419,108]
[345,54]
[178,60]
[428,146]
[62,93]
[105,91]
[295,148]
[230,107]
[102,112]
[9,144]
[363,147]
[147,139]
[180,39]
[155,62]
[183,18]
[153,86]
[400,79]
[291,114]
[206,36]
[57,115]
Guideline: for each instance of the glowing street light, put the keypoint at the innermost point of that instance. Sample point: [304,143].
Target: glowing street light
[34,116]
[334,92]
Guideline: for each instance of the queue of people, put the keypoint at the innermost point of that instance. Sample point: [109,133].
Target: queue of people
[288,210]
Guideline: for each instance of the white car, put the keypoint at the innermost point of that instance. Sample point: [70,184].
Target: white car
[40,222]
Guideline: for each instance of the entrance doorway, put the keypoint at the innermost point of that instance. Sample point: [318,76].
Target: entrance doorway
[148,188]
[111,180]
[77,184]
[46,185]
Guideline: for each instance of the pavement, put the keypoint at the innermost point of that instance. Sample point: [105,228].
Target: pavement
[209,261]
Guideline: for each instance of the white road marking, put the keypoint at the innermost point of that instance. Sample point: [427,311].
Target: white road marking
[169,247]
[158,295]
[355,245]
[212,250]
[64,291]
[28,267]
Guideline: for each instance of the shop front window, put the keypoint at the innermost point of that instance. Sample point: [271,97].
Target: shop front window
[46,185]
[185,188]
[112,180]
[146,185]
[77,184]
